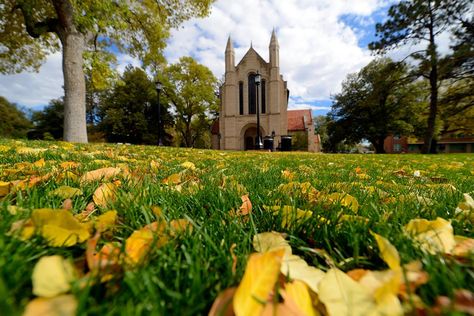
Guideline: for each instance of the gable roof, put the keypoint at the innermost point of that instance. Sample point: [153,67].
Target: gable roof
[299,120]
[250,51]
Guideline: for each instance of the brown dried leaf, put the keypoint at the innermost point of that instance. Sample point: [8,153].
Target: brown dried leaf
[101,174]
[222,305]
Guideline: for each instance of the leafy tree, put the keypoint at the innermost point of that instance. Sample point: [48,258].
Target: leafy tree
[129,112]
[190,88]
[13,122]
[415,21]
[321,127]
[49,121]
[33,29]
[374,103]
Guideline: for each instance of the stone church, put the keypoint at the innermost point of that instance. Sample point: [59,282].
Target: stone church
[236,128]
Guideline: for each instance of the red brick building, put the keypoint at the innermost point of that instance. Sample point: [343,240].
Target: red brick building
[446,144]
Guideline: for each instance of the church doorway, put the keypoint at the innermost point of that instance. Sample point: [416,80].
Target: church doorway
[250,136]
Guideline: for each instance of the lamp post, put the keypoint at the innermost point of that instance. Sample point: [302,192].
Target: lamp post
[159,87]
[258,141]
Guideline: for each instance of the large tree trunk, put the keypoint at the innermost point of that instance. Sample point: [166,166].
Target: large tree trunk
[378,145]
[433,89]
[75,128]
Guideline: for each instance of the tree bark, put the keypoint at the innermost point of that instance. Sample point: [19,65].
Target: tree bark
[75,128]
[378,145]
[433,89]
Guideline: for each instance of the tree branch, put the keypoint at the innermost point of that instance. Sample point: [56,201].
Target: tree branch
[36,29]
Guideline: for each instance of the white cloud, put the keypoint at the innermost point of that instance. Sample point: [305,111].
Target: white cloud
[33,89]
[317,50]
[303,106]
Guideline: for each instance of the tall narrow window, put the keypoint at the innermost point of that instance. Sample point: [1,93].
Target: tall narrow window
[241,98]
[264,98]
[252,95]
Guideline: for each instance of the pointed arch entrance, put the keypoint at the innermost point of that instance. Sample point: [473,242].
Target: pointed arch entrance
[248,136]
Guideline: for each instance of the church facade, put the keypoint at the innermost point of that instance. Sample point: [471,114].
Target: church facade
[236,128]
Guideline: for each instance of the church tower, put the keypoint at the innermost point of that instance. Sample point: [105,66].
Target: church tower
[239,94]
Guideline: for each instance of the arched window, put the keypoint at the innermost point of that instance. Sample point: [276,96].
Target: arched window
[264,97]
[252,95]
[241,98]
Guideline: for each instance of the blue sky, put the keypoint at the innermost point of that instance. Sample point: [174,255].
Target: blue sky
[320,43]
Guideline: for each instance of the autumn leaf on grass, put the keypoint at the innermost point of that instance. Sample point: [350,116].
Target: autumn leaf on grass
[139,243]
[188,165]
[101,174]
[343,296]
[245,208]
[287,174]
[173,179]
[63,305]
[104,261]
[59,227]
[296,268]
[432,236]
[345,200]
[105,194]
[4,188]
[271,241]
[155,234]
[52,275]
[297,297]
[465,209]
[388,252]
[69,165]
[463,302]
[222,305]
[106,221]
[66,192]
[261,274]
[464,247]
[290,215]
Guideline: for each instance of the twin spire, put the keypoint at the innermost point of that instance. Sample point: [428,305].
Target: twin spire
[273,42]
[273,50]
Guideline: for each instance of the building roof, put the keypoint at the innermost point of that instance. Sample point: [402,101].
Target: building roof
[299,120]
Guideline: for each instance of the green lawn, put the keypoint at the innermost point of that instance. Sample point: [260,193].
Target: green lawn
[183,273]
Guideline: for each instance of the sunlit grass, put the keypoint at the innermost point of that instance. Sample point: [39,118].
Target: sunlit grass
[184,276]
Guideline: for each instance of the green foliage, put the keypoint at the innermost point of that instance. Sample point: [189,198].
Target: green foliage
[299,141]
[191,89]
[129,111]
[31,29]
[184,276]
[374,103]
[415,21]
[321,127]
[49,122]
[13,122]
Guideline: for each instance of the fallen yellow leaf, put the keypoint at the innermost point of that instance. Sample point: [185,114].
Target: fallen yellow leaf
[296,268]
[52,275]
[296,293]
[59,227]
[432,236]
[222,305]
[343,296]
[63,305]
[188,165]
[345,200]
[66,192]
[101,174]
[106,221]
[105,194]
[261,274]
[270,241]
[388,252]
[4,188]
